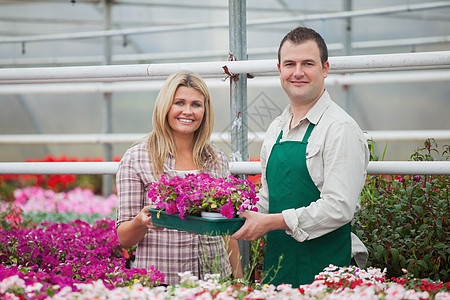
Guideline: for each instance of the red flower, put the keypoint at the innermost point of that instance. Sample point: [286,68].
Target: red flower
[125,254]
[256,179]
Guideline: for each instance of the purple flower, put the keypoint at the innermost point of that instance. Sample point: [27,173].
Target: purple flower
[65,254]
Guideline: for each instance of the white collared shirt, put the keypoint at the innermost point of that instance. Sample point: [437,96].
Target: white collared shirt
[336,157]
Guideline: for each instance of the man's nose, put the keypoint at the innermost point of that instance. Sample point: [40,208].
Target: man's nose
[298,70]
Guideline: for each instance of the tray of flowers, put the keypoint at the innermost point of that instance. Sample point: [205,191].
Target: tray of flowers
[184,203]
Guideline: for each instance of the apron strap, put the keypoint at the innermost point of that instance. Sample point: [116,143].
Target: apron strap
[308,133]
[305,137]
[279,137]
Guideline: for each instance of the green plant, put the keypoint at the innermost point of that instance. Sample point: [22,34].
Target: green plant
[404,220]
[65,217]
[254,271]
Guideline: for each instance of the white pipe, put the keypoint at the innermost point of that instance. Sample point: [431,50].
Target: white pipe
[392,77]
[389,61]
[68,139]
[124,138]
[409,168]
[58,168]
[260,82]
[104,168]
[340,64]
[407,135]
[250,23]
[146,71]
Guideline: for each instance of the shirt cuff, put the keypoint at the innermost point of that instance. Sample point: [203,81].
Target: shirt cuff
[291,220]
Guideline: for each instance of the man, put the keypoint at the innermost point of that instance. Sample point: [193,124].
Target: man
[314,160]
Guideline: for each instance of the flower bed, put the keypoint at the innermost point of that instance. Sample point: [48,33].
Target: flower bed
[58,256]
[76,260]
[333,283]
[77,200]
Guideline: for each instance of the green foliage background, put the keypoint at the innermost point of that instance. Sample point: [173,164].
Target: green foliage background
[404,220]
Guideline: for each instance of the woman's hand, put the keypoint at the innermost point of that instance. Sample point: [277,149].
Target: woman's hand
[132,232]
[145,218]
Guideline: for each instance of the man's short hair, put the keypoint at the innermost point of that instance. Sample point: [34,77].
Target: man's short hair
[300,35]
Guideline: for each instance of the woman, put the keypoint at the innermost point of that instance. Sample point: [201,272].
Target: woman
[183,120]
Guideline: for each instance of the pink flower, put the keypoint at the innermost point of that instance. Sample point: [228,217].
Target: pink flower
[227,211]
[201,192]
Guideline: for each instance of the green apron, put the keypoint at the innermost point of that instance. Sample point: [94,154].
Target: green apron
[290,186]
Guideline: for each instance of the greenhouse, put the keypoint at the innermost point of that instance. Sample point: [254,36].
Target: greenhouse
[79,80]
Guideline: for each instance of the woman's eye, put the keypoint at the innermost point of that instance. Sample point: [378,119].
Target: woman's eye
[179,103]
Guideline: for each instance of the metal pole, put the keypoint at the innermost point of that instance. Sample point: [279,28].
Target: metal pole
[107,182]
[238,83]
[238,97]
[347,51]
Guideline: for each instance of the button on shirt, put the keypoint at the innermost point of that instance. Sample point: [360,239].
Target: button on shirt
[336,157]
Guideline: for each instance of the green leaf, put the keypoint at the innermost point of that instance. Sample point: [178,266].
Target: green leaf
[418,209]
[402,261]
[422,264]
[379,252]
[395,255]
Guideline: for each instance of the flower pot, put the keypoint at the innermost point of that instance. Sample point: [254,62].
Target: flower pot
[212,215]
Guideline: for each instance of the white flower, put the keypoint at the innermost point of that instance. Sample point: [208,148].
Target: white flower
[11,282]
[187,277]
[212,277]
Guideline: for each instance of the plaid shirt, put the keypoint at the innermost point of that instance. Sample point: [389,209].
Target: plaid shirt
[170,251]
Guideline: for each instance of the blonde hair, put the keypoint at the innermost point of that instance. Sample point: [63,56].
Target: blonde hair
[162,133]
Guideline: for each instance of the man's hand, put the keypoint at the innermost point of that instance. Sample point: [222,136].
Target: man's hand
[257,224]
